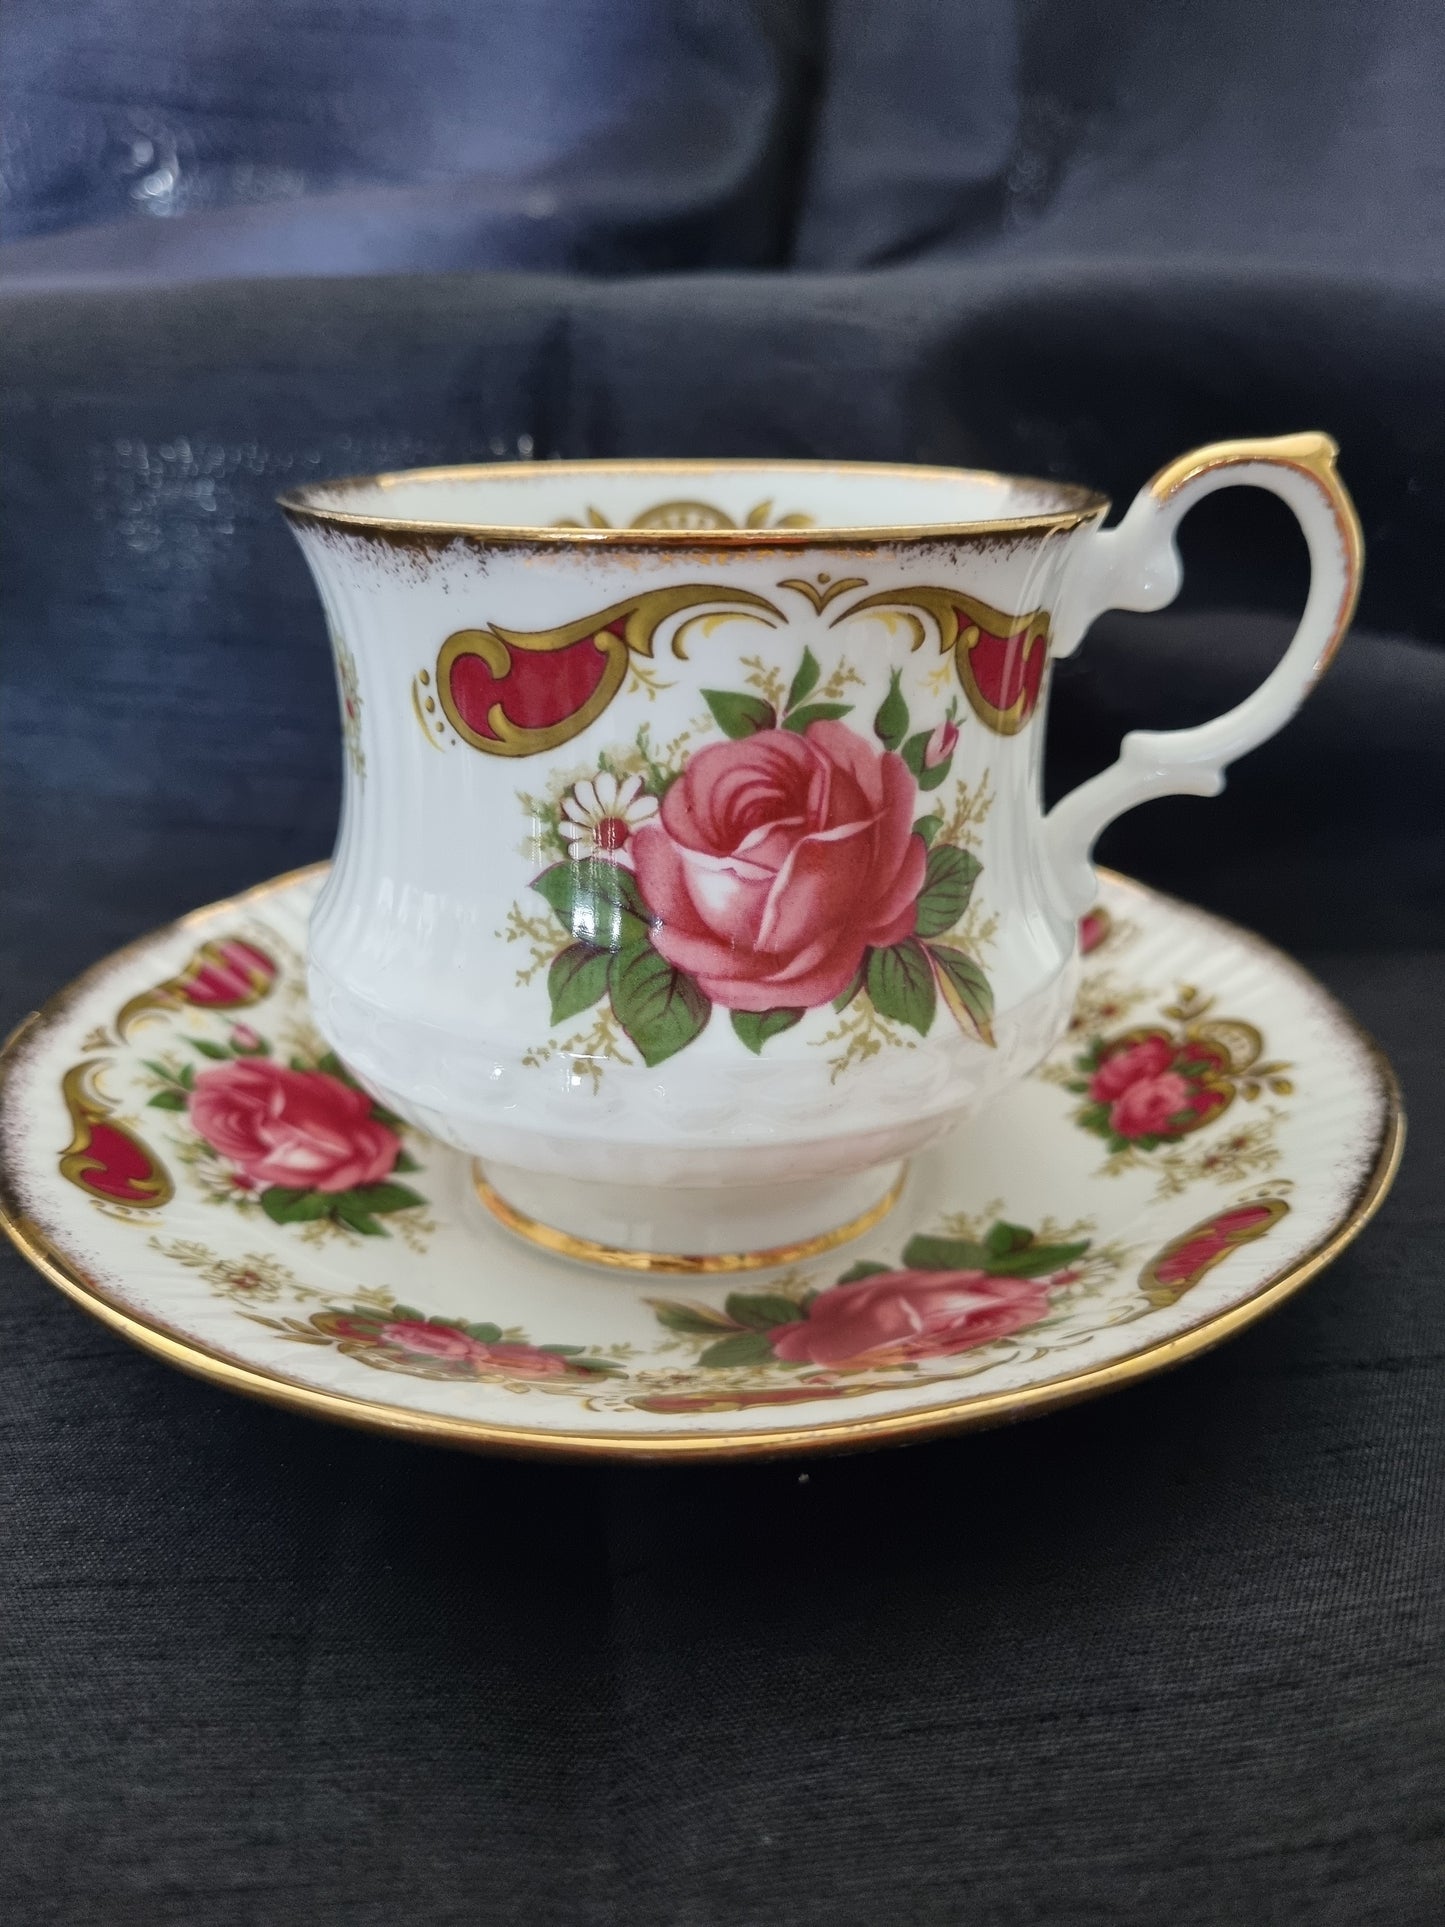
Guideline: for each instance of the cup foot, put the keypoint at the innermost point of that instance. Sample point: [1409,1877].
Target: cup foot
[688,1231]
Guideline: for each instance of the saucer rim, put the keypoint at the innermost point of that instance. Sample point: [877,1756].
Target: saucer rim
[976,1411]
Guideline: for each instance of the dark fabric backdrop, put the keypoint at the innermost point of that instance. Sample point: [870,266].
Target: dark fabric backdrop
[1173,1657]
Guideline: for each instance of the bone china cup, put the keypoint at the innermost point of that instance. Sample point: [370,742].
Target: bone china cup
[693,869]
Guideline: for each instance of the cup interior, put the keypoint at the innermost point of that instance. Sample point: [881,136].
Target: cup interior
[695,498]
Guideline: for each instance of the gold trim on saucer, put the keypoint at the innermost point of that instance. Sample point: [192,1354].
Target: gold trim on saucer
[587,1251]
[964,1413]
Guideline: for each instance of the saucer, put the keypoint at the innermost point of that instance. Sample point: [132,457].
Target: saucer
[1211,1133]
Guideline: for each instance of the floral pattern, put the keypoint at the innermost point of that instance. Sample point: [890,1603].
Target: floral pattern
[601,817]
[1145,1090]
[950,1295]
[301,1141]
[275,1128]
[397,1338]
[788,867]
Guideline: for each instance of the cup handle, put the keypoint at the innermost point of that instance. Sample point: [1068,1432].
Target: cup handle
[1137,566]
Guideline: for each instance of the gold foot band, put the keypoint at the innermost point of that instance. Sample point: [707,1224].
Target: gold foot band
[566,1244]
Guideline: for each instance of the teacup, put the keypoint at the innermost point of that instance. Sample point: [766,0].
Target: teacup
[693,870]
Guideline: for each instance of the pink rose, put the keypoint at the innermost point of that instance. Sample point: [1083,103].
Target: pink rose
[437,1341]
[1148,1058]
[777,860]
[898,1315]
[445,1341]
[940,745]
[527,1361]
[1146,1108]
[305,1130]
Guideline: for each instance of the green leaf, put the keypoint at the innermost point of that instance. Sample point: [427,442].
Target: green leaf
[484,1334]
[168,1077]
[188,1077]
[1036,1261]
[333,1067]
[168,1101]
[755,1027]
[929,779]
[744,1348]
[900,983]
[842,1001]
[738,714]
[678,1317]
[760,1311]
[577,980]
[804,682]
[947,886]
[660,1008]
[816,713]
[405,1162]
[923,1253]
[966,991]
[890,725]
[209,1050]
[1002,1238]
[961,1254]
[601,1367]
[597,902]
[863,1269]
[928,827]
[283,1205]
[356,1218]
[381,1197]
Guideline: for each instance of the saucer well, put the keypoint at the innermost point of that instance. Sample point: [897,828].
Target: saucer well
[1212,1132]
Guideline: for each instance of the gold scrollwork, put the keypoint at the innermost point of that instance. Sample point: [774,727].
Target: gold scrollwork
[992,650]
[226,973]
[107,1161]
[1185,1259]
[622,630]
[686,514]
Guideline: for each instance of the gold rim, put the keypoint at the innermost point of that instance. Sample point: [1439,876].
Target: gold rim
[588,1251]
[825,1436]
[300,505]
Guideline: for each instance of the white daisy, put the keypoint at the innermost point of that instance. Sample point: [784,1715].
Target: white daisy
[599,815]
